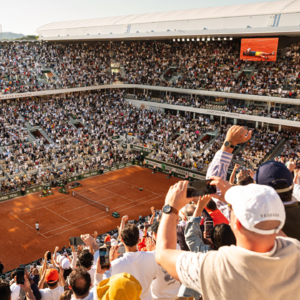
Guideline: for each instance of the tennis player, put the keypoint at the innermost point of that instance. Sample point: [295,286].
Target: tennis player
[263,55]
[37,227]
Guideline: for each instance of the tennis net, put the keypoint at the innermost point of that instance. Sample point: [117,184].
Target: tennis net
[90,202]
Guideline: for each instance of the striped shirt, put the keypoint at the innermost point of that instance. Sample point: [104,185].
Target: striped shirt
[219,167]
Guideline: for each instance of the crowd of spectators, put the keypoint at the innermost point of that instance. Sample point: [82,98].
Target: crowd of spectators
[172,254]
[78,132]
[193,65]
[23,66]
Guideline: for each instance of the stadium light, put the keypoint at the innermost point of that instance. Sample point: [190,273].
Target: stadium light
[230,39]
[198,40]
[219,39]
[213,39]
[208,39]
[183,40]
[203,39]
[174,40]
[187,40]
[178,40]
[193,40]
[225,39]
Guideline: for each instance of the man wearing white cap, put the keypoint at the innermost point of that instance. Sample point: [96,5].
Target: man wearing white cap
[261,266]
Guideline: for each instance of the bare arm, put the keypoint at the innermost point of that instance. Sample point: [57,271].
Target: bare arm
[201,204]
[296,177]
[166,253]
[153,215]
[41,283]
[61,277]
[232,176]
[122,225]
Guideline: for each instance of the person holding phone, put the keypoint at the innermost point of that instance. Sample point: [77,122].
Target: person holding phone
[251,270]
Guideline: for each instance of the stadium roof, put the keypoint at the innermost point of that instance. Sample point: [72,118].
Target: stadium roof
[267,14]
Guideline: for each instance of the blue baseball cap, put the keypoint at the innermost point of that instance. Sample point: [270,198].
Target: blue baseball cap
[273,172]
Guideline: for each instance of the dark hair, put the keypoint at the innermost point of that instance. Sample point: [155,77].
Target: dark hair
[80,281]
[189,211]
[52,283]
[211,205]
[13,274]
[4,290]
[67,273]
[286,196]
[86,258]
[245,181]
[130,235]
[66,295]
[222,235]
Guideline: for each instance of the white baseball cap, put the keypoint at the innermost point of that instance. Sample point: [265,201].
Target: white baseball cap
[65,264]
[255,203]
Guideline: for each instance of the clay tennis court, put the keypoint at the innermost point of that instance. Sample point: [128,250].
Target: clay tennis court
[62,216]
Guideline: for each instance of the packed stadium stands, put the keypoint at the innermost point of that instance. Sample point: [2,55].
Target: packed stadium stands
[206,66]
[187,106]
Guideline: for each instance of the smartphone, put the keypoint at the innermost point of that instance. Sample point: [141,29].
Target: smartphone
[297,165]
[121,249]
[20,275]
[208,227]
[200,188]
[49,256]
[104,257]
[75,241]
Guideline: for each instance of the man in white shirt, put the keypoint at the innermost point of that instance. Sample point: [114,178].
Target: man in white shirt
[140,264]
[80,283]
[54,291]
[251,270]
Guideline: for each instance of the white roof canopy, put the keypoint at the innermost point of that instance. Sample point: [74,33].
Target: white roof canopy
[119,25]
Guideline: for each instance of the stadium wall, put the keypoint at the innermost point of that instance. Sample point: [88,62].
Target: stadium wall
[155,88]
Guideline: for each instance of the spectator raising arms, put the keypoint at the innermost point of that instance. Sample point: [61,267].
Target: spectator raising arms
[256,263]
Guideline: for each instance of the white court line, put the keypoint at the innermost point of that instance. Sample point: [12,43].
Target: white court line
[94,215]
[65,198]
[88,204]
[104,186]
[59,215]
[101,217]
[27,224]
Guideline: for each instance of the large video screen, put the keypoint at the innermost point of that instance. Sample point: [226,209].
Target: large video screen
[264,49]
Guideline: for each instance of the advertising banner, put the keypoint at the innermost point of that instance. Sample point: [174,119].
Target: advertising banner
[263,49]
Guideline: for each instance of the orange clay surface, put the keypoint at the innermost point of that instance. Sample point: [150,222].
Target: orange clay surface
[62,216]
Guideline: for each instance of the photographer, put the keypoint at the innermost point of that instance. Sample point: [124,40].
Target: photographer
[251,270]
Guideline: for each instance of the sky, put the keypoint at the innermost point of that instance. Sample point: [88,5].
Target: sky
[25,16]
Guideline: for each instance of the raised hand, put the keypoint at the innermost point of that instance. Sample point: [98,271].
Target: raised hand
[150,244]
[238,135]
[152,210]
[125,218]
[221,184]
[113,253]
[176,196]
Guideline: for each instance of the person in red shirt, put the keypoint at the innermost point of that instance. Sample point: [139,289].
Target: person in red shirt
[215,214]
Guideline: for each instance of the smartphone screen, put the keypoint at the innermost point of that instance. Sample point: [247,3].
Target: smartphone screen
[200,188]
[75,241]
[208,227]
[104,258]
[121,249]
[20,275]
